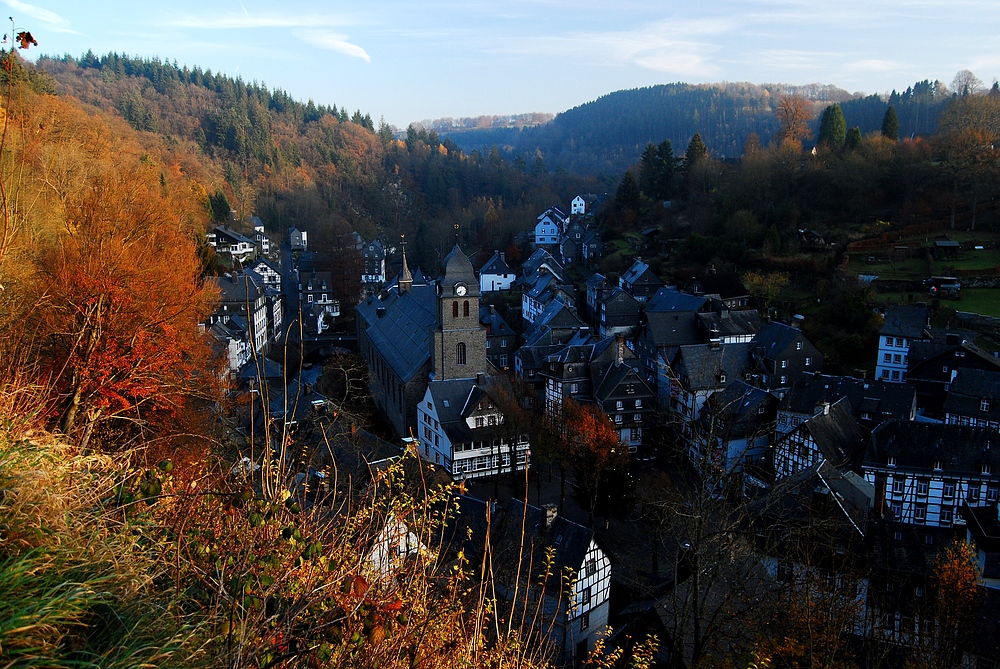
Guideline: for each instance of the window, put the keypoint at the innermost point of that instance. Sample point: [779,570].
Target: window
[898,359]
[427,433]
[929,539]
[944,369]
[784,380]
[503,343]
[947,514]
[900,342]
[895,375]
[986,468]
[460,351]
[920,513]
[948,489]
[635,434]
[637,418]
[798,346]
[480,421]
[784,364]
[585,596]
[898,486]
[974,493]
[619,405]
[992,494]
[618,418]
[590,568]
[503,360]
[488,342]
[722,377]
[888,341]
[918,591]
[638,404]
[454,309]
[584,621]
[984,405]
[922,487]
[897,510]
[465,308]
[808,362]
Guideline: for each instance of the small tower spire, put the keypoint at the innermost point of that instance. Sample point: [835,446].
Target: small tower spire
[405,278]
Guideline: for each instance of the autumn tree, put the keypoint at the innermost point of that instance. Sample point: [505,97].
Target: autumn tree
[117,291]
[596,450]
[765,288]
[968,128]
[794,114]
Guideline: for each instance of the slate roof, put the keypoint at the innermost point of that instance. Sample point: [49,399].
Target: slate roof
[903,320]
[922,352]
[456,400]
[739,403]
[596,281]
[568,540]
[458,267]
[967,391]
[635,272]
[494,323]
[837,435]
[884,401]
[402,334]
[731,323]
[961,449]
[537,259]
[701,363]
[614,377]
[845,496]
[667,329]
[727,285]
[774,339]
[495,265]
[671,299]
[557,315]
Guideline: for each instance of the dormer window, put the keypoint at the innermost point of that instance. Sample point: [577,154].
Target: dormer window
[986,469]
[722,377]
[938,465]
[984,406]
[891,461]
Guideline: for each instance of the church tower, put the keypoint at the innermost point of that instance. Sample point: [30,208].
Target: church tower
[459,340]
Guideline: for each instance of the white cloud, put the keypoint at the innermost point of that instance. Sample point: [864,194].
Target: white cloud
[246,21]
[325,39]
[874,65]
[55,22]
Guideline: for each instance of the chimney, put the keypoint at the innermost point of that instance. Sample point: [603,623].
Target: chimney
[480,378]
[551,513]
[503,256]
[620,343]
[823,408]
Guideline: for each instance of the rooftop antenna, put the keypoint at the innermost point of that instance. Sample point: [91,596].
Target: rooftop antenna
[456,234]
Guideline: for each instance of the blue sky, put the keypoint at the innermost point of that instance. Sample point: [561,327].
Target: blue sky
[411,60]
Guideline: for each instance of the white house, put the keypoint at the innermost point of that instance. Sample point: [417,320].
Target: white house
[496,274]
[547,231]
[459,427]
[578,206]
[903,325]
[298,239]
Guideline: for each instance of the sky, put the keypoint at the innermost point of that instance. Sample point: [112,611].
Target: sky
[411,60]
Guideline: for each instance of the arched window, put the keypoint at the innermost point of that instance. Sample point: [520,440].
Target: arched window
[454,309]
[460,353]
[465,308]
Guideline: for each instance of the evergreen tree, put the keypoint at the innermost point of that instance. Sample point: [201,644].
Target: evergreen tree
[890,124]
[627,196]
[832,127]
[853,140]
[696,151]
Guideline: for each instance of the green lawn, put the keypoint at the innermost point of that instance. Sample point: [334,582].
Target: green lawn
[984,301]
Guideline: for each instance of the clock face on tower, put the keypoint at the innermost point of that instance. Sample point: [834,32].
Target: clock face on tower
[460,289]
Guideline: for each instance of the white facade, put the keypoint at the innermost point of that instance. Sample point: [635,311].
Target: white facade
[892,358]
[588,617]
[493,282]
[578,206]
[482,457]
[547,232]
[933,497]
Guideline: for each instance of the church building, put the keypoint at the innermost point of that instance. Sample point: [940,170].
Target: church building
[428,373]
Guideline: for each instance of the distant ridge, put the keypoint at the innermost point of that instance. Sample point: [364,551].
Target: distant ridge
[607,135]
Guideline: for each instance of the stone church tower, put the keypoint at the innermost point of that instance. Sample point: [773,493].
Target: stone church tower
[459,349]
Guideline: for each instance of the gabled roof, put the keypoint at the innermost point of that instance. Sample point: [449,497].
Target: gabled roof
[539,258]
[917,445]
[909,321]
[221,230]
[968,391]
[884,401]
[727,285]
[925,353]
[495,265]
[402,333]
[640,272]
[671,299]
[267,263]
[615,375]
[837,434]
[596,281]
[494,323]
[702,364]
[665,329]
[844,497]
[731,323]
[557,315]
[774,339]
[567,540]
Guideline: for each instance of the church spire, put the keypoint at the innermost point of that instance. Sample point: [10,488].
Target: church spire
[405,278]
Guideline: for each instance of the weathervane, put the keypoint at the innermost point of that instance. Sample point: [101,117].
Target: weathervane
[456,234]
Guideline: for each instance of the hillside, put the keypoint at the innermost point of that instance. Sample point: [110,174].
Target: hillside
[314,167]
[607,135]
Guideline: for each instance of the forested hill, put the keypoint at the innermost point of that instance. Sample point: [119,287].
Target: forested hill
[319,167]
[607,135]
